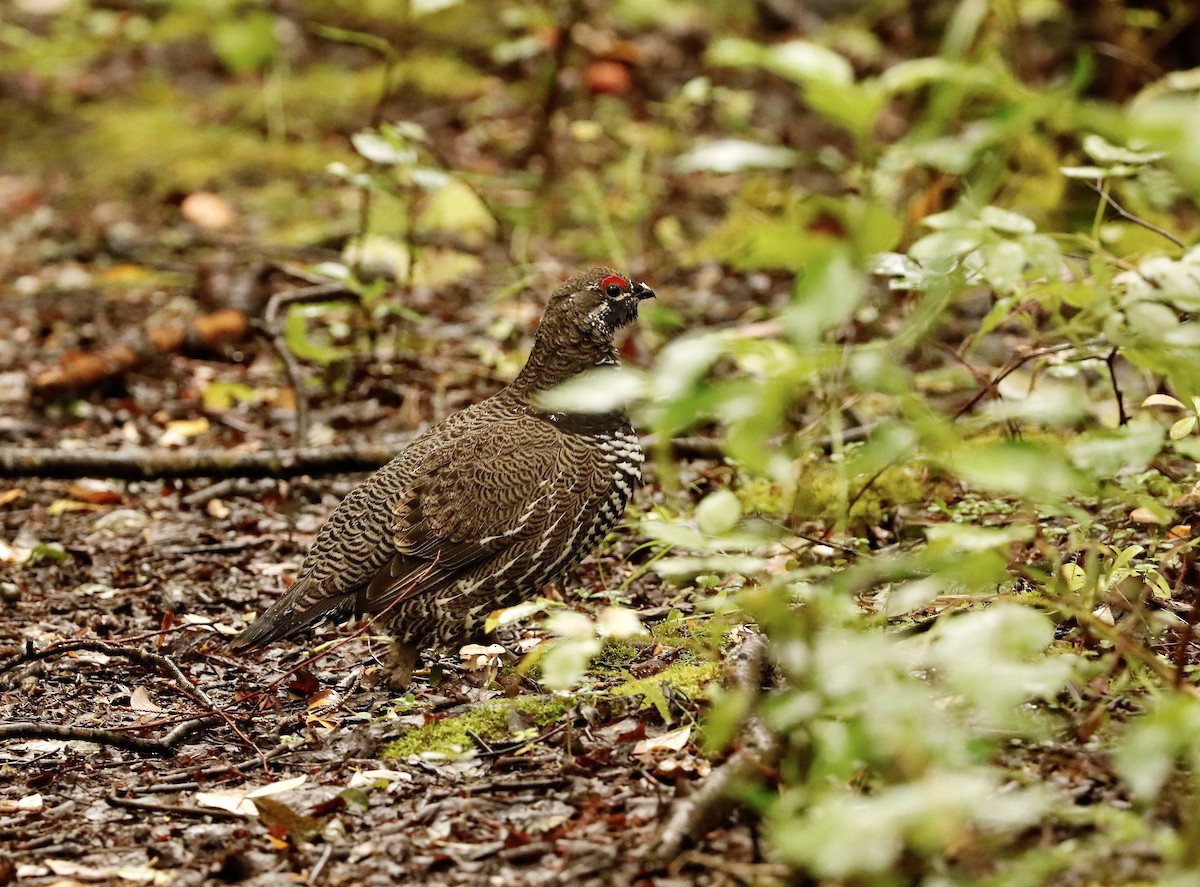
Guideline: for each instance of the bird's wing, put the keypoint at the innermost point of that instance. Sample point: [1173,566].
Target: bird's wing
[451,508]
[477,498]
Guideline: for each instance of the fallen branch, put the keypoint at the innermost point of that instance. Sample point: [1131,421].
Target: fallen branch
[164,745]
[155,464]
[700,811]
[172,810]
[118,738]
[146,659]
[83,369]
[152,464]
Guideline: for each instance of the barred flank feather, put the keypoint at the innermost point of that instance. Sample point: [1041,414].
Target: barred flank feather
[485,507]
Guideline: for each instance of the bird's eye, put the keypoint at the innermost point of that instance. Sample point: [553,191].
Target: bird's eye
[613,285]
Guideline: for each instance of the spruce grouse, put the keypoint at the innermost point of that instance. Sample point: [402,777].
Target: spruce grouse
[485,507]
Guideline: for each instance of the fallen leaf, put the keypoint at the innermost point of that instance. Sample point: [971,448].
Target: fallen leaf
[1163,400]
[326,698]
[63,506]
[372,778]
[607,77]
[95,492]
[11,495]
[285,823]
[180,431]
[675,740]
[619,623]
[207,210]
[241,800]
[139,700]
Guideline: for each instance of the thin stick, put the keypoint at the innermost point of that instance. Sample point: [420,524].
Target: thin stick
[1111,360]
[173,810]
[143,463]
[1137,220]
[166,745]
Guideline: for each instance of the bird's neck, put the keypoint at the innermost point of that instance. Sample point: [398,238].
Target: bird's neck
[556,358]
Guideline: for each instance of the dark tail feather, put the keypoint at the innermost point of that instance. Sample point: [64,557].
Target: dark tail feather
[290,616]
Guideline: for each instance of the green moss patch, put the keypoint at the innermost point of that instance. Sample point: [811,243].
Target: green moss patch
[686,678]
[488,720]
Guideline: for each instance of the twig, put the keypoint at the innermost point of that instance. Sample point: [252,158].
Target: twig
[692,816]
[146,463]
[526,785]
[152,464]
[118,737]
[764,874]
[78,370]
[270,328]
[1137,220]
[191,773]
[165,745]
[1008,369]
[988,388]
[146,659]
[326,852]
[1122,417]
[115,800]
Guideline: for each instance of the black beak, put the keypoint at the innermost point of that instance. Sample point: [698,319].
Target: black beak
[641,291]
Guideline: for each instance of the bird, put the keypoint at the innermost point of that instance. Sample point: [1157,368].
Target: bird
[484,508]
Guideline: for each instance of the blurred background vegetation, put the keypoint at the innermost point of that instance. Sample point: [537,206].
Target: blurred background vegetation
[925,273]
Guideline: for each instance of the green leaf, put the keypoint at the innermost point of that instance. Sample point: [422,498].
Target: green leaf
[813,312]
[565,663]
[1105,453]
[47,553]
[1038,472]
[1150,748]
[1183,428]
[596,391]
[1104,152]
[1003,265]
[382,149]
[221,396]
[1006,221]
[456,207]
[718,512]
[518,613]
[296,334]
[800,61]
[997,660]
[247,43]
[949,244]
[735,155]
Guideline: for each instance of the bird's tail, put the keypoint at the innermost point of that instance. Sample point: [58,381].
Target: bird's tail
[296,611]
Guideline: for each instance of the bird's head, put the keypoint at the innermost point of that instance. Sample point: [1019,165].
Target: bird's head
[598,302]
[577,329]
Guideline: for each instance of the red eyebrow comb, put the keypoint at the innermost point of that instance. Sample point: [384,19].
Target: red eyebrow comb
[614,278]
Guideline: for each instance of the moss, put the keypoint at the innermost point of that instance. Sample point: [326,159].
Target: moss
[823,491]
[186,156]
[687,678]
[489,721]
[614,656]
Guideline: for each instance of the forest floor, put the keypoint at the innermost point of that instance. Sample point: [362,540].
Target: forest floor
[119,621]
